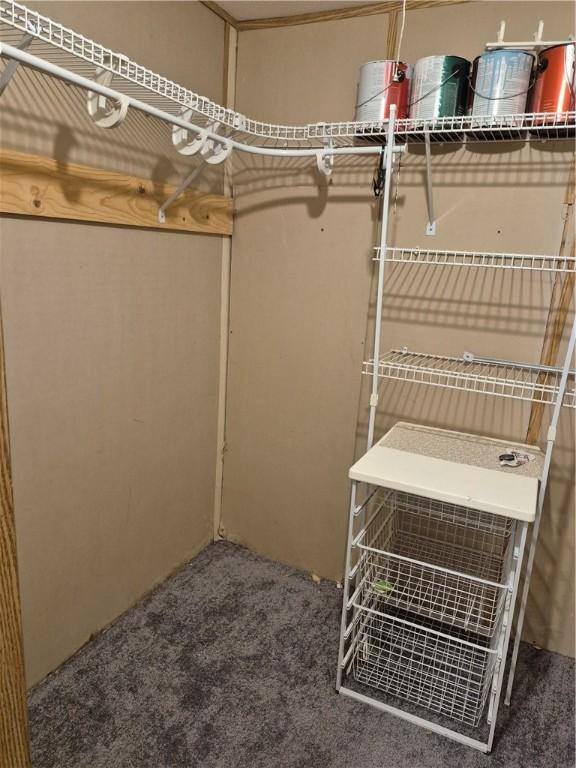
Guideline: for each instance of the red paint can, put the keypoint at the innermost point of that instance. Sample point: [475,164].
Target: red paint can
[382,83]
[554,90]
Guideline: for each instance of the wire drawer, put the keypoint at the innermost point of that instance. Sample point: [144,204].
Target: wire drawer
[450,675]
[436,560]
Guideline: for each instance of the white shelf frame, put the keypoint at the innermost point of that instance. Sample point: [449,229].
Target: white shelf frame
[511,379]
[348,648]
[531,262]
[502,378]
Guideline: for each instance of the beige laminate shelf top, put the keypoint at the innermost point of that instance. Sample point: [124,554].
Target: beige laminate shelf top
[453,467]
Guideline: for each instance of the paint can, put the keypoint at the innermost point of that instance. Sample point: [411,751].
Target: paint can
[502,84]
[555,86]
[439,87]
[380,84]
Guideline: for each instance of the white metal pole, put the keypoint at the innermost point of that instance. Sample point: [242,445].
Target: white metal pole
[519,544]
[551,438]
[345,584]
[384,215]
[90,85]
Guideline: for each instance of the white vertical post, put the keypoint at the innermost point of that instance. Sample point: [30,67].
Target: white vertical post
[384,212]
[519,545]
[541,496]
[231,39]
[346,583]
[431,226]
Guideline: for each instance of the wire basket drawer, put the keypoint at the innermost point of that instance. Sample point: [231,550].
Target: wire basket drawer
[447,674]
[437,560]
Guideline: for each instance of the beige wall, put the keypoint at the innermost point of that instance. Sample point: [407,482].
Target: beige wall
[302,280]
[111,350]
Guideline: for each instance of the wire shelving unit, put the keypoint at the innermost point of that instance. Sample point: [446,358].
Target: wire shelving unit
[429,596]
[530,262]
[518,381]
[33,39]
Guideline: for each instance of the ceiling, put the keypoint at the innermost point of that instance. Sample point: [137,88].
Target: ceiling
[246,10]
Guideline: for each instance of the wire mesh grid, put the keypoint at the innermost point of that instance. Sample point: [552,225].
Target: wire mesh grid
[512,380]
[523,261]
[81,55]
[437,560]
[448,675]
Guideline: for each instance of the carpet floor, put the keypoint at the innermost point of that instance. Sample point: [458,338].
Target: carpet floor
[231,664]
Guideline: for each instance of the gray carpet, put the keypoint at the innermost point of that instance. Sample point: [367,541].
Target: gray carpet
[231,663]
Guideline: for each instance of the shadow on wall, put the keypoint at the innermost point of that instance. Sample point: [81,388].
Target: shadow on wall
[44,116]
[553,576]
[507,165]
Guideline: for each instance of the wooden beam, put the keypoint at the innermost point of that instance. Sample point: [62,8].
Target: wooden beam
[224,15]
[560,303]
[351,12]
[231,61]
[14,749]
[42,187]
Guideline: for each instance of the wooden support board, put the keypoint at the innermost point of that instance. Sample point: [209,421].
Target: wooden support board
[31,185]
[14,752]
[337,14]
[224,15]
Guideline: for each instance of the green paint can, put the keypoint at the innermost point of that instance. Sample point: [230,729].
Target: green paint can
[439,87]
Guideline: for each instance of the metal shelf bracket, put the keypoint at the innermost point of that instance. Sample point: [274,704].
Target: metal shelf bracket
[536,45]
[213,151]
[103,111]
[10,69]
[431,226]
[178,191]
[325,159]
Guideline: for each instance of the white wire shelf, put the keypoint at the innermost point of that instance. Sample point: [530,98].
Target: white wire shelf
[517,381]
[450,675]
[82,57]
[436,560]
[523,261]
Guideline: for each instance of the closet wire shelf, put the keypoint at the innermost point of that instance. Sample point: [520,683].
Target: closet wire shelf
[522,261]
[82,56]
[436,560]
[517,381]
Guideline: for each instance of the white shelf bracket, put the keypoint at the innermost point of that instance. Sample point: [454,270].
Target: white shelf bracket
[537,43]
[10,69]
[325,160]
[431,226]
[178,191]
[539,33]
[212,150]
[104,112]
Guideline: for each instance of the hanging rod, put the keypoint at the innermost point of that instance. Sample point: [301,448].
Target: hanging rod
[54,70]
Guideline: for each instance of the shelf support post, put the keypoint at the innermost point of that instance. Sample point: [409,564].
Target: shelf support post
[550,440]
[431,226]
[386,160]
